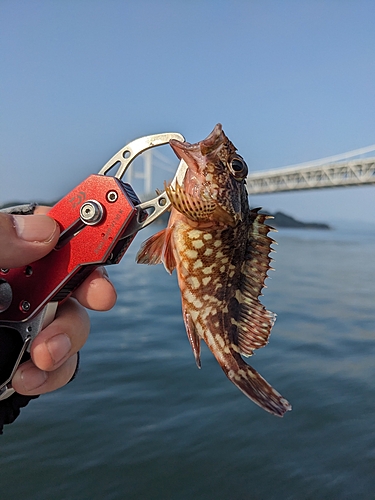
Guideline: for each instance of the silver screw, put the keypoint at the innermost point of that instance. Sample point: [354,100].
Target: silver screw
[25,306]
[91,212]
[112,196]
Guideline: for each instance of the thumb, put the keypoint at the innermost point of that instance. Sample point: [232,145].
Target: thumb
[26,238]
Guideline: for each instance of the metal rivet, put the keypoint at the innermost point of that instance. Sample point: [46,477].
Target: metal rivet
[91,212]
[112,196]
[25,306]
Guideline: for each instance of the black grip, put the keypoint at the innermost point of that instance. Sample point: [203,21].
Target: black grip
[10,408]
[10,346]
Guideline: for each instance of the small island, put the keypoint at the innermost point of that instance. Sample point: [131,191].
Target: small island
[282,220]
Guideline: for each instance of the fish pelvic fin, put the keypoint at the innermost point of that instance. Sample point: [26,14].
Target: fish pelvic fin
[158,249]
[255,387]
[193,337]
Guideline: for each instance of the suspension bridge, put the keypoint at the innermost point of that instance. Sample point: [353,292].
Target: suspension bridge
[353,168]
[334,171]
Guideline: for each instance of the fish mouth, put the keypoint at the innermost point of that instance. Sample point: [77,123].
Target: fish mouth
[188,152]
[185,151]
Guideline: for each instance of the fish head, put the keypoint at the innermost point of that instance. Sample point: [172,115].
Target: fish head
[213,189]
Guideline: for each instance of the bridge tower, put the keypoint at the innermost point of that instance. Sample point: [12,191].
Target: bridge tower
[148,164]
[144,174]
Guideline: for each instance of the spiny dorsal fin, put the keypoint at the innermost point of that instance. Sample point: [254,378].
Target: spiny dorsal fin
[254,322]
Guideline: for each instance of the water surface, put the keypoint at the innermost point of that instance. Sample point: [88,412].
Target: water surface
[142,422]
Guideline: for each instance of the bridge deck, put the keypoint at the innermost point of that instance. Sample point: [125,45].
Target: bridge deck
[349,173]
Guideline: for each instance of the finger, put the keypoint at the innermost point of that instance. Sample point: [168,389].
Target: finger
[62,338]
[26,238]
[31,381]
[41,210]
[97,292]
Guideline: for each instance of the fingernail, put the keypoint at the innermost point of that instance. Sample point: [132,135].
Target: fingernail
[35,228]
[59,347]
[32,378]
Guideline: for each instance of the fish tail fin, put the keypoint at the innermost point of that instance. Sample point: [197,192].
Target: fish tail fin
[255,387]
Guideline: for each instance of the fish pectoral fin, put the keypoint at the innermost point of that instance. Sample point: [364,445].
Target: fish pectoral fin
[195,209]
[157,249]
[193,337]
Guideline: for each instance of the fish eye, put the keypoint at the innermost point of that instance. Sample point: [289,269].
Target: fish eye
[238,168]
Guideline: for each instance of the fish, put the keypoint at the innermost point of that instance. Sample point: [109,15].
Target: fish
[220,249]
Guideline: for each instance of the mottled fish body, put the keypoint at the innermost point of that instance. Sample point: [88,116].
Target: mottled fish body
[220,250]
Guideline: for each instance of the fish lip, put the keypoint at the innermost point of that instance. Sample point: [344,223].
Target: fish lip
[186,151]
[211,140]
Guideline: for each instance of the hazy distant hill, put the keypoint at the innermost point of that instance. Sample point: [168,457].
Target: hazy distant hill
[283,220]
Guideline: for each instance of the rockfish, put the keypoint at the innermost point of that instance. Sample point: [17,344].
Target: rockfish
[220,249]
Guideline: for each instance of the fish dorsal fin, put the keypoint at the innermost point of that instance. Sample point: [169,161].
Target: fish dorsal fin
[193,337]
[156,249]
[254,322]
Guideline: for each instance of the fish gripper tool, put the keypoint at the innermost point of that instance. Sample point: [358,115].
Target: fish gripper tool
[98,220]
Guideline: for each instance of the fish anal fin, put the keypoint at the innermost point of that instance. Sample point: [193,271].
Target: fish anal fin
[193,337]
[157,249]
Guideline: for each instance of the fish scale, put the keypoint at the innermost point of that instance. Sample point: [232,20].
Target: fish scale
[220,250]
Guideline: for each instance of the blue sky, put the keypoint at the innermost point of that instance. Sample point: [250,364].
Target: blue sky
[290,81]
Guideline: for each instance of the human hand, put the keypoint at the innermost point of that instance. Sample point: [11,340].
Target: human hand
[25,239]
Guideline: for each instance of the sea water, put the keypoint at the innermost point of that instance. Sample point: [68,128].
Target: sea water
[142,422]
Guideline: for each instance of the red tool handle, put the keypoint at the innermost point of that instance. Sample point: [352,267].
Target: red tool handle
[87,240]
